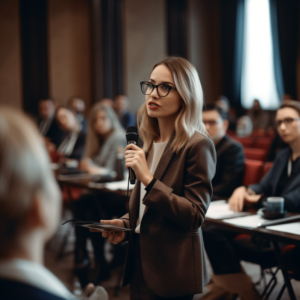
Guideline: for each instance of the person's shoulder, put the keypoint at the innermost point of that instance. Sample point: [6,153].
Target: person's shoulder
[118,135]
[199,140]
[232,144]
[283,154]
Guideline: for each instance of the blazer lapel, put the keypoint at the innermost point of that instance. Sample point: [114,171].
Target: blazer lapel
[134,204]
[279,171]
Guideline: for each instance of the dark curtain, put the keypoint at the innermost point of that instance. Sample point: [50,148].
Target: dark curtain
[285,33]
[33,18]
[177,27]
[232,40]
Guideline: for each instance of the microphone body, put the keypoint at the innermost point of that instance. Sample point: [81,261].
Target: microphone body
[132,138]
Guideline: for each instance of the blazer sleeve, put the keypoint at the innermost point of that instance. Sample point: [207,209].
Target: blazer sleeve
[188,211]
[232,173]
[79,146]
[292,200]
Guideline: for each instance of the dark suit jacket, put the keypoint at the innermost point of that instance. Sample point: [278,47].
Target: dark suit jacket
[230,168]
[291,192]
[127,119]
[79,146]
[14,290]
[172,249]
[54,133]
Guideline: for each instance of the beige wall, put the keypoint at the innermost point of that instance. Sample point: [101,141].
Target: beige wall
[145,42]
[69,49]
[204,45]
[10,54]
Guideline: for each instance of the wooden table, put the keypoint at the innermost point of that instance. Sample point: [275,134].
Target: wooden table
[275,237]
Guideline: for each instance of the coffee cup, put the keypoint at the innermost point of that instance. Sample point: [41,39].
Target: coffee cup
[275,204]
[71,163]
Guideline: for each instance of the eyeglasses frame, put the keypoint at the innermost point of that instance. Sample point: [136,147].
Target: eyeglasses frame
[286,124]
[156,87]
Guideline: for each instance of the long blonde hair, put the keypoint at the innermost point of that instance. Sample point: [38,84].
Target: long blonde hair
[189,118]
[94,141]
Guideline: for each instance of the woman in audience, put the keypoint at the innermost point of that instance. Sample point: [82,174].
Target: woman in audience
[72,146]
[105,139]
[283,180]
[30,209]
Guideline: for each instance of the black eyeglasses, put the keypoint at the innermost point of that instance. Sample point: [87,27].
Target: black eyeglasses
[287,121]
[163,89]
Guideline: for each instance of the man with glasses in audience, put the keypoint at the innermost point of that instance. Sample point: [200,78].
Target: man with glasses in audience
[230,156]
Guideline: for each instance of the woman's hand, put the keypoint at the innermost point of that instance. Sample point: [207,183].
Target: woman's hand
[236,201]
[136,160]
[114,237]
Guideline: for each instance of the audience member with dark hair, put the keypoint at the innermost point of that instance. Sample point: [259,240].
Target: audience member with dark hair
[105,139]
[283,180]
[224,104]
[126,118]
[73,144]
[47,123]
[230,156]
[78,106]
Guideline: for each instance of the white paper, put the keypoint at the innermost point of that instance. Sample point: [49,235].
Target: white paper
[252,221]
[220,210]
[293,228]
[113,186]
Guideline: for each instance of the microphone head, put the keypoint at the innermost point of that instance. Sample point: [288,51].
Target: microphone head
[132,134]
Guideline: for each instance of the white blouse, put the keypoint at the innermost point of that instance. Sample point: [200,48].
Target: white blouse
[153,159]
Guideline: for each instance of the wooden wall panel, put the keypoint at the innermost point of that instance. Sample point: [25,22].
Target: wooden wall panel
[10,54]
[69,49]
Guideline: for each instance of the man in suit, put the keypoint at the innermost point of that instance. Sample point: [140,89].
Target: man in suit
[126,118]
[230,156]
[47,124]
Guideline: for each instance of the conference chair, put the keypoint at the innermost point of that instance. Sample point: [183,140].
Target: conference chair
[253,171]
[255,154]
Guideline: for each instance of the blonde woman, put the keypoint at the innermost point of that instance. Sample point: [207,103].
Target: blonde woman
[105,137]
[168,204]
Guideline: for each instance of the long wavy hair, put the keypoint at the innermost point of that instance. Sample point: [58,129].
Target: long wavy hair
[189,119]
[94,140]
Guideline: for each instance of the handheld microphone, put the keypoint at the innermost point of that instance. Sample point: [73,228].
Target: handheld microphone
[132,137]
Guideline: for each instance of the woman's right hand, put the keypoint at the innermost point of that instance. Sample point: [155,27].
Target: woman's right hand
[114,237]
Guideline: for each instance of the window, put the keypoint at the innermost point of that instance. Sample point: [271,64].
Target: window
[258,79]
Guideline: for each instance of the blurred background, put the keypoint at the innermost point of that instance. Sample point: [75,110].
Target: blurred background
[102,48]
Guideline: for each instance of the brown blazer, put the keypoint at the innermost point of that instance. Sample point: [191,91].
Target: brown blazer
[172,248]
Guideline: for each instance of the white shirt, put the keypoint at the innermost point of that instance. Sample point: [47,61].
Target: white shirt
[153,159]
[34,274]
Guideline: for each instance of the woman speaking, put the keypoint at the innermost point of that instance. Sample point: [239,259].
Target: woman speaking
[167,207]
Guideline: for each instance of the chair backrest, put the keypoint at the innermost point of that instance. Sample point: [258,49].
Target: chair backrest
[253,171]
[263,143]
[255,154]
[245,141]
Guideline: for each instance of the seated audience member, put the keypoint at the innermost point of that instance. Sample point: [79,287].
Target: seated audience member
[244,126]
[224,104]
[230,156]
[30,209]
[260,118]
[106,102]
[105,137]
[78,106]
[73,144]
[126,118]
[46,122]
[283,180]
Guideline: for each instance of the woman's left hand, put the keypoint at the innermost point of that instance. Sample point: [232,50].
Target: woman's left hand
[136,160]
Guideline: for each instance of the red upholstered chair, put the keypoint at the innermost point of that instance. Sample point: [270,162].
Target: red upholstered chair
[245,141]
[263,143]
[253,171]
[255,154]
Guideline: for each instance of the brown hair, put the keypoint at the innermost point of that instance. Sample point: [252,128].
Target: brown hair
[291,104]
[189,118]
